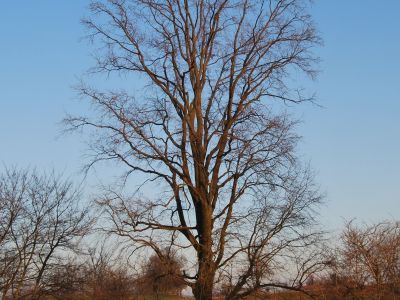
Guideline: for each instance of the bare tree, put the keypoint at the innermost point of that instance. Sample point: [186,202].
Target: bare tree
[44,218]
[206,130]
[12,187]
[369,259]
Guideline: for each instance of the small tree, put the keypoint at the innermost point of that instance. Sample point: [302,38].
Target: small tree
[43,217]
[369,259]
[205,130]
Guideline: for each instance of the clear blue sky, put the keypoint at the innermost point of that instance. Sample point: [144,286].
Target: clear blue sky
[353,143]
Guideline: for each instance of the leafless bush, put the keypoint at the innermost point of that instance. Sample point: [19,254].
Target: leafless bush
[106,275]
[95,273]
[162,275]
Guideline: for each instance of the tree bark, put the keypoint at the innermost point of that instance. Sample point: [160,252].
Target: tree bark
[203,288]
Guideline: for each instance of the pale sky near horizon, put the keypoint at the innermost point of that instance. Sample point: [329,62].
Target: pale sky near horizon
[353,142]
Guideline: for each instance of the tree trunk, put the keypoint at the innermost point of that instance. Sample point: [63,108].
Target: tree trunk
[203,289]
[204,285]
